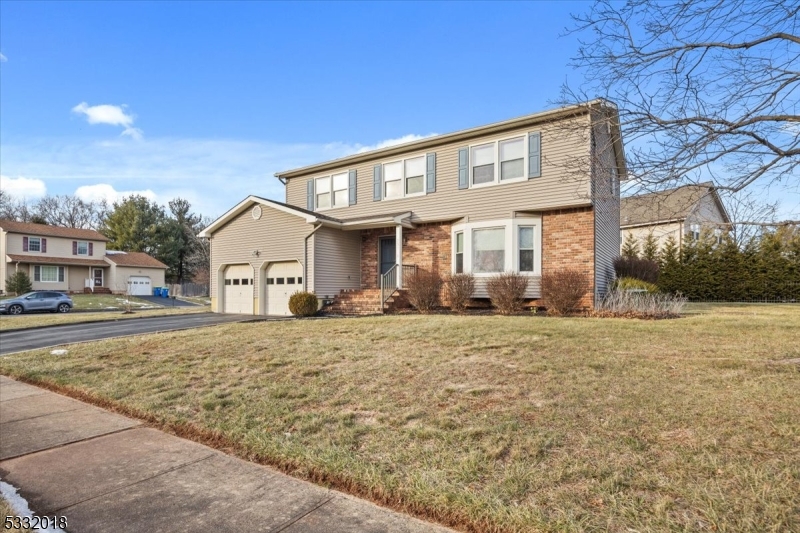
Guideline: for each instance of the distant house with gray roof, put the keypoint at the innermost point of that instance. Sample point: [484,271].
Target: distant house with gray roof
[686,211]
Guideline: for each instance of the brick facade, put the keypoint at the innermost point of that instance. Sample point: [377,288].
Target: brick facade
[427,246]
[568,241]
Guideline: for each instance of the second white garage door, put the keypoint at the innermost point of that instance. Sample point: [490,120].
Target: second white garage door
[283,279]
[239,289]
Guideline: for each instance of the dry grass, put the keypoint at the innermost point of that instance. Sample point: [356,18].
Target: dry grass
[488,423]
[7,511]
[36,320]
[111,301]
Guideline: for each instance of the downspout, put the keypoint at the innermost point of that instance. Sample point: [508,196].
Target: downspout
[305,257]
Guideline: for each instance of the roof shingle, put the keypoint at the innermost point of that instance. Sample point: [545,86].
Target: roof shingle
[50,260]
[662,206]
[45,230]
[135,259]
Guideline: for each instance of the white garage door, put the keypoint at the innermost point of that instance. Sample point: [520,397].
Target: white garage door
[140,286]
[238,290]
[283,280]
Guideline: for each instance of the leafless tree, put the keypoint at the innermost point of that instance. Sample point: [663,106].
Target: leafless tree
[13,209]
[706,89]
[69,211]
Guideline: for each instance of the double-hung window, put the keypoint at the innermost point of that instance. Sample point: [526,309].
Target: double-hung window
[83,248]
[34,244]
[525,249]
[488,250]
[498,161]
[404,178]
[48,274]
[459,252]
[332,191]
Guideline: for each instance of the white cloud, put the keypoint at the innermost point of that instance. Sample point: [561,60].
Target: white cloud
[113,115]
[3,58]
[411,137]
[104,191]
[23,188]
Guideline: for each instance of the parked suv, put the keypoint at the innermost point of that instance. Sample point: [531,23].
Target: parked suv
[37,301]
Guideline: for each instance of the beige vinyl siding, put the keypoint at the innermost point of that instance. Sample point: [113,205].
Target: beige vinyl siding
[661,232]
[606,200]
[706,213]
[557,187]
[56,247]
[76,277]
[534,289]
[337,259]
[47,285]
[278,236]
[311,267]
[122,273]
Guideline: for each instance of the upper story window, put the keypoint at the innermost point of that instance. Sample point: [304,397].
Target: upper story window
[695,231]
[404,178]
[331,191]
[83,248]
[34,244]
[504,160]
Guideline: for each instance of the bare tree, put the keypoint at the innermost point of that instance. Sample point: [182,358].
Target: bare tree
[68,211]
[13,209]
[706,89]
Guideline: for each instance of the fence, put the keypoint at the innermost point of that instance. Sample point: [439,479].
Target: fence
[194,289]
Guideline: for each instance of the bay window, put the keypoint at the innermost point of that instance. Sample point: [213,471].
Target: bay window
[491,247]
[488,250]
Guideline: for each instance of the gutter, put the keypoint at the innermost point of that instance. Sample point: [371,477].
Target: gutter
[305,257]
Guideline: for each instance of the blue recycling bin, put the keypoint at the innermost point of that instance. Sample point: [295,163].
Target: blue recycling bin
[165,292]
[156,291]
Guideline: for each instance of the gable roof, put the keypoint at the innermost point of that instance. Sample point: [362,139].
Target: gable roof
[134,259]
[496,127]
[45,230]
[666,206]
[50,260]
[241,207]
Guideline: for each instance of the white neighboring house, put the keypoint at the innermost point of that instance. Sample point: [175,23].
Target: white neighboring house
[73,260]
[680,213]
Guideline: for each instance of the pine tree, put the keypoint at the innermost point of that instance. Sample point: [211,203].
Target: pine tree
[19,283]
[650,247]
[670,267]
[630,247]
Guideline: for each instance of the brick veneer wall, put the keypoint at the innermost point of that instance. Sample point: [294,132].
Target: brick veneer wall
[427,246]
[568,241]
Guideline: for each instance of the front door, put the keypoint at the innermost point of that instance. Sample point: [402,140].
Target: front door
[387,254]
[98,277]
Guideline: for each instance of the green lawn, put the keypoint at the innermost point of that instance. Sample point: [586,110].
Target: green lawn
[487,423]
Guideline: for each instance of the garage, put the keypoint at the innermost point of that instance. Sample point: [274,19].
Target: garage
[140,286]
[283,279]
[238,290]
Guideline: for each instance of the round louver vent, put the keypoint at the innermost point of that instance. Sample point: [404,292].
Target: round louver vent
[257,212]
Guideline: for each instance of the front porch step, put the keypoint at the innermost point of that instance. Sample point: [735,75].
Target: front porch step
[361,302]
[96,290]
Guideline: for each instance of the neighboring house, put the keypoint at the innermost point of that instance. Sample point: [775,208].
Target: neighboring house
[503,197]
[73,260]
[679,213]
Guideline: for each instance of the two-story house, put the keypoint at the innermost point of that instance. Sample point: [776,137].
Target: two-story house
[73,260]
[528,195]
[680,213]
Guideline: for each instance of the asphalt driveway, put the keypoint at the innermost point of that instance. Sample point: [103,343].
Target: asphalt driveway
[31,339]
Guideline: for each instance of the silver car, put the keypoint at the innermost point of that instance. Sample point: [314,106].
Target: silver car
[56,302]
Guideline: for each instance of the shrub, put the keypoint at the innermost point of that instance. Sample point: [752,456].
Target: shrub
[423,290]
[562,290]
[633,284]
[633,267]
[507,292]
[303,304]
[619,303]
[19,283]
[460,288]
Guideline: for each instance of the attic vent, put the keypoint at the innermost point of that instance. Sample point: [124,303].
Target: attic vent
[256,212]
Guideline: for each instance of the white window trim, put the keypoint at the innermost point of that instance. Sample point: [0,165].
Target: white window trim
[332,191]
[402,162]
[37,239]
[497,180]
[78,248]
[511,226]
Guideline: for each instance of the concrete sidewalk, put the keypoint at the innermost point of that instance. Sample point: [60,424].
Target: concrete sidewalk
[106,472]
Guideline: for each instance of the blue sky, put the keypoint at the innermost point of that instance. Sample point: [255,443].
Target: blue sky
[208,100]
